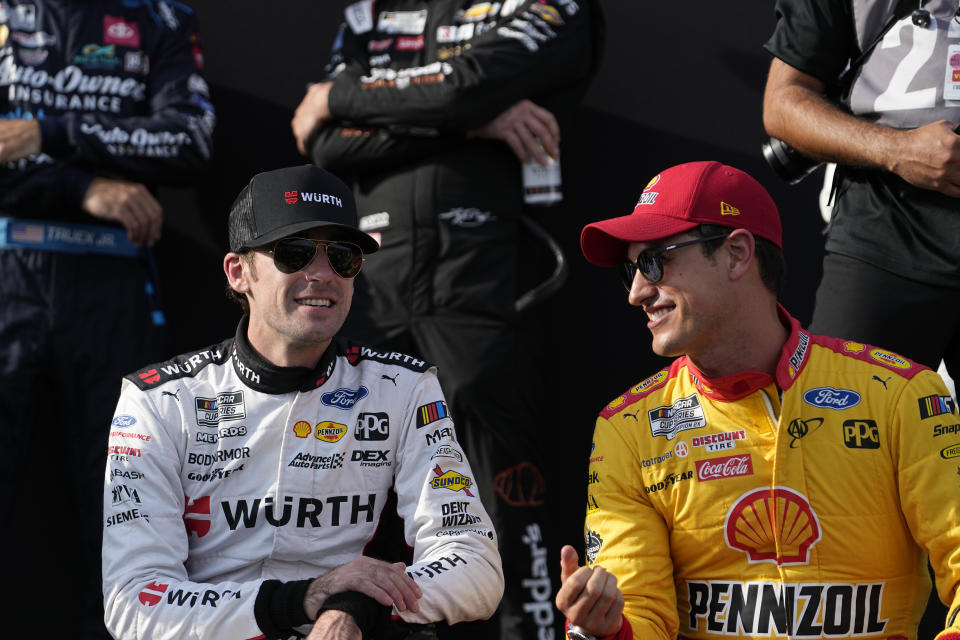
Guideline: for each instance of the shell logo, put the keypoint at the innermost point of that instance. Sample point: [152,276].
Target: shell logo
[652,182]
[761,518]
[889,359]
[650,382]
[617,402]
[853,347]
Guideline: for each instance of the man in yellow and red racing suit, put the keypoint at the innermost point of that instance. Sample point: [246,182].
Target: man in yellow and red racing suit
[796,494]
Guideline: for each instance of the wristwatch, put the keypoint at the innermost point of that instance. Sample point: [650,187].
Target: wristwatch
[577,633]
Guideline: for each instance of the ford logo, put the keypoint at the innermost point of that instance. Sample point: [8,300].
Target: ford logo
[344,398]
[830,398]
[123,421]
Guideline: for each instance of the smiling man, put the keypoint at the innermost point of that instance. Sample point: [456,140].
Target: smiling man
[249,482]
[769,481]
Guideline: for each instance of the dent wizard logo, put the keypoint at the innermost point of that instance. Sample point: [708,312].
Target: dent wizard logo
[344,398]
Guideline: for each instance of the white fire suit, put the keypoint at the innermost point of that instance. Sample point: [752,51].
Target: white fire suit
[226,472]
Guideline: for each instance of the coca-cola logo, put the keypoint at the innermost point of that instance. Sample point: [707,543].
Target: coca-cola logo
[728,467]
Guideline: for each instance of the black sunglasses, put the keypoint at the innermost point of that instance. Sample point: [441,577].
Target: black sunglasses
[650,261]
[293,254]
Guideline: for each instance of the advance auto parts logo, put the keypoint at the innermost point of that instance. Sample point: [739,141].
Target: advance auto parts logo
[685,413]
[451,480]
[762,517]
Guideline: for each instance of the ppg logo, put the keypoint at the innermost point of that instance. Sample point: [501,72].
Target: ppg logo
[372,426]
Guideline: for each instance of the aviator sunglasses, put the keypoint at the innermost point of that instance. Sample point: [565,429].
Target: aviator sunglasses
[650,261]
[293,254]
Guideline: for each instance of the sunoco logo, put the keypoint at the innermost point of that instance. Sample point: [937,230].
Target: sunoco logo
[451,480]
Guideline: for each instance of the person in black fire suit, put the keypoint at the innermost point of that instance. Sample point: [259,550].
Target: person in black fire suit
[430,107]
[98,100]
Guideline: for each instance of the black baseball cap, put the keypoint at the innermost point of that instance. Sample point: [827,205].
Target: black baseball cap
[283,202]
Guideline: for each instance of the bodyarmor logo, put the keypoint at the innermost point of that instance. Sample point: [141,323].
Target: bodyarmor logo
[344,398]
[764,517]
[685,413]
[762,609]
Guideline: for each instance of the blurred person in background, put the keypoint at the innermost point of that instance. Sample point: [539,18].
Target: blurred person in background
[429,109]
[99,100]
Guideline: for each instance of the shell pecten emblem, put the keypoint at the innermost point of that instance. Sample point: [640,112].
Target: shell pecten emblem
[761,518]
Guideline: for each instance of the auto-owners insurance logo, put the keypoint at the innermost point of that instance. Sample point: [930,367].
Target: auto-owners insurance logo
[685,413]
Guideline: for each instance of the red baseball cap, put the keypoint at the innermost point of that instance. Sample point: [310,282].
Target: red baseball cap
[681,198]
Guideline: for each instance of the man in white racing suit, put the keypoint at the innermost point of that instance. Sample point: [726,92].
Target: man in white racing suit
[247,482]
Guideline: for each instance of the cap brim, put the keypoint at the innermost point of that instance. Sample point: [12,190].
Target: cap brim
[605,243]
[337,232]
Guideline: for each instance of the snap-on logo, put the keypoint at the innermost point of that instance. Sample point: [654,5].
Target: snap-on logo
[830,398]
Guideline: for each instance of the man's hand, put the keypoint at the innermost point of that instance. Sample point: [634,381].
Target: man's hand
[312,112]
[130,204]
[335,625]
[929,157]
[18,139]
[589,598]
[529,130]
[385,582]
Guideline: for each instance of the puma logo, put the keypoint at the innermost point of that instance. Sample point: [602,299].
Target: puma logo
[881,381]
[174,394]
[393,379]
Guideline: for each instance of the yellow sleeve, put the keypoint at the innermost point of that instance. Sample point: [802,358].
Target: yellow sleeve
[927,443]
[627,536]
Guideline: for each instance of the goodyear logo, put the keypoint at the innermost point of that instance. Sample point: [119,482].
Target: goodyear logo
[451,480]
[889,359]
[650,382]
[948,453]
[936,406]
[728,209]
